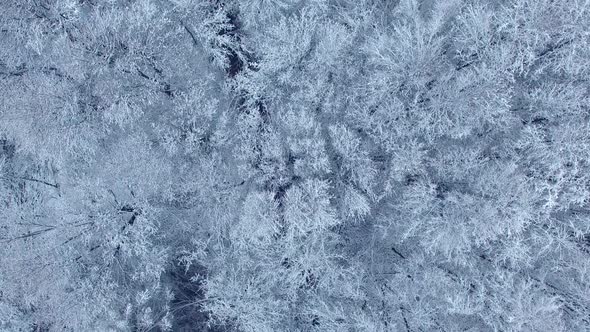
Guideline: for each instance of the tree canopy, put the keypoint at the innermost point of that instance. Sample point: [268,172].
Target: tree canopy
[294,165]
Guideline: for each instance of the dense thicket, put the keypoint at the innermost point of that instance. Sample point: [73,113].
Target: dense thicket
[294,165]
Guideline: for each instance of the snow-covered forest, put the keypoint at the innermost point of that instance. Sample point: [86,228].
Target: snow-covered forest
[294,165]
